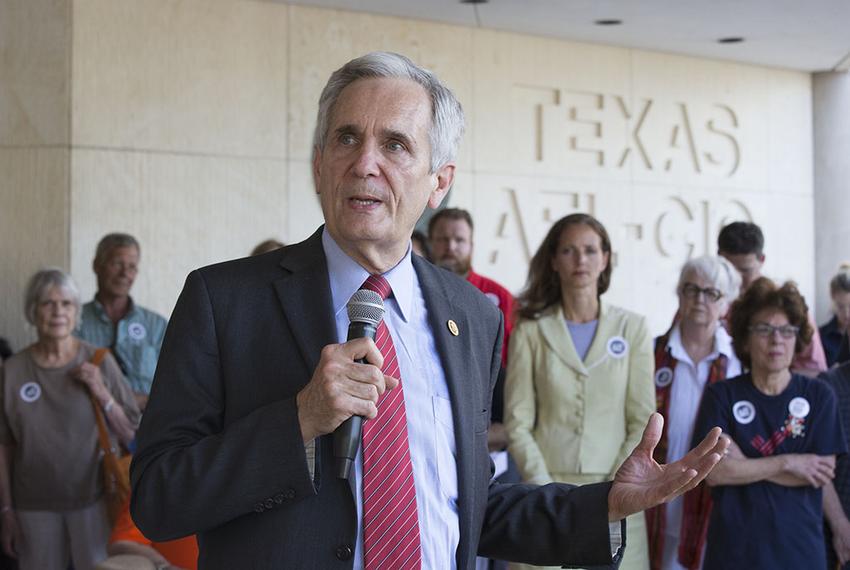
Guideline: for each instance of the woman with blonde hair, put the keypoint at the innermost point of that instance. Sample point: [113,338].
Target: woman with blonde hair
[579,382]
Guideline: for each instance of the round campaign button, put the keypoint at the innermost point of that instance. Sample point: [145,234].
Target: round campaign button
[453,328]
[30,392]
[744,411]
[137,331]
[663,377]
[799,407]
[617,346]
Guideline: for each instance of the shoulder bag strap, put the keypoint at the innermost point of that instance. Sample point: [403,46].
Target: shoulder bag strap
[102,433]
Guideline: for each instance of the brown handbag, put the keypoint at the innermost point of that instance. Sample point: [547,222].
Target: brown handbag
[116,467]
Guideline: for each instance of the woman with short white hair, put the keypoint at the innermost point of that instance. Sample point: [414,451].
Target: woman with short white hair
[51,491]
[695,352]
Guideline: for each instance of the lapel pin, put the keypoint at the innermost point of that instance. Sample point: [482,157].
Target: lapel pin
[453,327]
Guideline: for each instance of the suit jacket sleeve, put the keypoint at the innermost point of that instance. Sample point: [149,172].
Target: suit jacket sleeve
[198,467]
[549,525]
[640,389]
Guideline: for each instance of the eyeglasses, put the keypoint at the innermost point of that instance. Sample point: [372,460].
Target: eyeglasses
[766,330]
[691,291]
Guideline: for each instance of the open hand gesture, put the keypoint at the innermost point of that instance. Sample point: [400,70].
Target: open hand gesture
[641,483]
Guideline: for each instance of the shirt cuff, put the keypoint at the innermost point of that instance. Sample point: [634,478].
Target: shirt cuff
[615,534]
[310,452]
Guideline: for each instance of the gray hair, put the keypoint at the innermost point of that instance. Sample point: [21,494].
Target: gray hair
[112,241]
[840,283]
[446,112]
[716,270]
[40,283]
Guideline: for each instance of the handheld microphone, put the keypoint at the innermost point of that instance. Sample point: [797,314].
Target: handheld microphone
[365,311]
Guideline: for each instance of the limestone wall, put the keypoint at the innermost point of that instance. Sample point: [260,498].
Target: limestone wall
[188,123]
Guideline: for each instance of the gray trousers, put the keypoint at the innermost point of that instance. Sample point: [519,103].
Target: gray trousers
[53,538]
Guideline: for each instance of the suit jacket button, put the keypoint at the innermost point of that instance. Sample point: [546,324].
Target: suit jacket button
[278,498]
[269,503]
[258,508]
[289,494]
[344,552]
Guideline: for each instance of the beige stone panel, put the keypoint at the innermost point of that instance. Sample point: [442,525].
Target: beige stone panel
[790,242]
[462,194]
[681,225]
[324,40]
[197,76]
[706,125]
[678,224]
[548,107]
[35,38]
[790,149]
[304,213]
[185,211]
[33,228]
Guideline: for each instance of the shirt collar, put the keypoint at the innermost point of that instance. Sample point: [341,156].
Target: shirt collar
[101,312]
[346,276]
[722,344]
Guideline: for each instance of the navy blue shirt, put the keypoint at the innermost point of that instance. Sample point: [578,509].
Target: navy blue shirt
[765,525]
[831,337]
[839,379]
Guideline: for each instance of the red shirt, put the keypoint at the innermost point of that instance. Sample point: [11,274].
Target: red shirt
[500,297]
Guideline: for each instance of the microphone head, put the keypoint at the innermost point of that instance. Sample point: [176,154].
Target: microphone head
[365,306]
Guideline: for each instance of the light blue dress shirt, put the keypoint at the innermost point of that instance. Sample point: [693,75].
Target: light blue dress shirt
[430,425]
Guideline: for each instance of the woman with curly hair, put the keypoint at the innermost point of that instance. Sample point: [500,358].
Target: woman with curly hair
[579,385]
[785,434]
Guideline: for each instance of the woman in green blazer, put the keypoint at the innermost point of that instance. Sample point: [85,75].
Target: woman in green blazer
[579,386]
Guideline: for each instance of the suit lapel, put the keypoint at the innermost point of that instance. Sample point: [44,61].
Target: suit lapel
[553,327]
[303,292]
[453,352]
[451,348]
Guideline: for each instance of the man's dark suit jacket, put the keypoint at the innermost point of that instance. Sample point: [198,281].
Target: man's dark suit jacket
[220,451]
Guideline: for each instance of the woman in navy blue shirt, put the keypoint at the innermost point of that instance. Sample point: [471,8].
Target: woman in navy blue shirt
[785,434]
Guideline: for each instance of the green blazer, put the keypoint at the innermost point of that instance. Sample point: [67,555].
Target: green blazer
[568,416]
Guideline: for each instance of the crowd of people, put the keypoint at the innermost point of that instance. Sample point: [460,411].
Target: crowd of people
[580,378]
[575,383]
[582,375]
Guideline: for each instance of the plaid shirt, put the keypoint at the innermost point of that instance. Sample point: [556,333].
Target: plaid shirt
[839,379]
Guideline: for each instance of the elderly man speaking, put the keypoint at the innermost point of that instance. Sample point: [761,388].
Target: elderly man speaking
[256,374]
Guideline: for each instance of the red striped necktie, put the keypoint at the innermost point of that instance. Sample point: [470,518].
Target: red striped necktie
[390,521]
